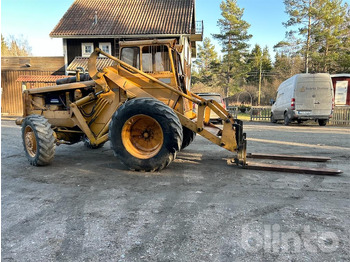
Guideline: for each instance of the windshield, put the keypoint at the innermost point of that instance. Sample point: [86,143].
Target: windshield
[155,59]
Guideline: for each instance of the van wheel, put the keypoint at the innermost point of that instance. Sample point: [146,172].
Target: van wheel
[145,134]
[286,119]
[322,122]
[299,121]
[272,119]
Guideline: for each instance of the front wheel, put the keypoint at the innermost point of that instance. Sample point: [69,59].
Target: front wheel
[322,122]
[38,140]
[145,134]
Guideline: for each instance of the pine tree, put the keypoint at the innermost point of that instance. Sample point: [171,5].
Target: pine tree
[207,58]
[233,38]
[4,47]
[17,47]
[321,31]
[328,34]
[302,13]
[259,58]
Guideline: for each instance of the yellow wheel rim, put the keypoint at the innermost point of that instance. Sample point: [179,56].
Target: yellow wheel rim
[30,141]
[142,136]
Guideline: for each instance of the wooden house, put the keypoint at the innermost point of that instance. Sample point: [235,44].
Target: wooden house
[104,23]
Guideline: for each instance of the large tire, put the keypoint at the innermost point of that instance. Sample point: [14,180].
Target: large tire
[145,134]
[38,140]
[286,119]
[188,136]
[88,144]
[322,122]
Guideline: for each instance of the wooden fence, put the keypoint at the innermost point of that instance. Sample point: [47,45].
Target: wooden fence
[233,110]
[341,116]
[13,67]
[11,97]
[260,113]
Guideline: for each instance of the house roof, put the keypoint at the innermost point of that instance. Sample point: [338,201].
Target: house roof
[126,18]
[79,61]
[341,75]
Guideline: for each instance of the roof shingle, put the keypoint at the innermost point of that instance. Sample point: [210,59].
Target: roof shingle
[79,61]
[126,17]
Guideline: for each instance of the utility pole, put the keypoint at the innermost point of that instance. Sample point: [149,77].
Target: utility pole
[260,81]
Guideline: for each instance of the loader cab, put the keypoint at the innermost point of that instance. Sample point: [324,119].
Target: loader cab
[158,58]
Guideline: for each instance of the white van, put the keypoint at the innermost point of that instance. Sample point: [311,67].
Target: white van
[304,97]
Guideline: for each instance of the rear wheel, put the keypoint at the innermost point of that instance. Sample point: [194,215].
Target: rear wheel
[38,140]
[145,134]
[188,136]
[286,119]
[322,122]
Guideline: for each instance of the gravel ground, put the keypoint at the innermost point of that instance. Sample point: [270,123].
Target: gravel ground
[86,206]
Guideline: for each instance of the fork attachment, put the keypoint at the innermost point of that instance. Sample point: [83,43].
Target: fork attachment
[290,168]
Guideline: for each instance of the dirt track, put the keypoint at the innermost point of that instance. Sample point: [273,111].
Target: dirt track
[86,206]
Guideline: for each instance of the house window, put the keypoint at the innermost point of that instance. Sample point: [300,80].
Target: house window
[106,47]
[87,49]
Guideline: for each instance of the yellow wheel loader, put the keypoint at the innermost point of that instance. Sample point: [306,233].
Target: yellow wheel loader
[141,105]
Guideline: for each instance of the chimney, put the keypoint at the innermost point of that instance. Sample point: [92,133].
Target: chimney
[95,19]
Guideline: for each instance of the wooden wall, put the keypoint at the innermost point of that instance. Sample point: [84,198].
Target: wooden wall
[13,67]
[342,78]
[74,46]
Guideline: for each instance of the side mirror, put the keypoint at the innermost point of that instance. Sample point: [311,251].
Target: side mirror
[272,101]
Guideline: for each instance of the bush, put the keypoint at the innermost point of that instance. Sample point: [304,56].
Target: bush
[244,108]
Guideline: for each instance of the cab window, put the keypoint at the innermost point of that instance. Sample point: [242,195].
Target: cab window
[155,59]
[131,56]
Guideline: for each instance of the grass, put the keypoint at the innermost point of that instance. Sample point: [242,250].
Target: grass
[243,116]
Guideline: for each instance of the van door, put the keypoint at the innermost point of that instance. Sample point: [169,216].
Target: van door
[314,98]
